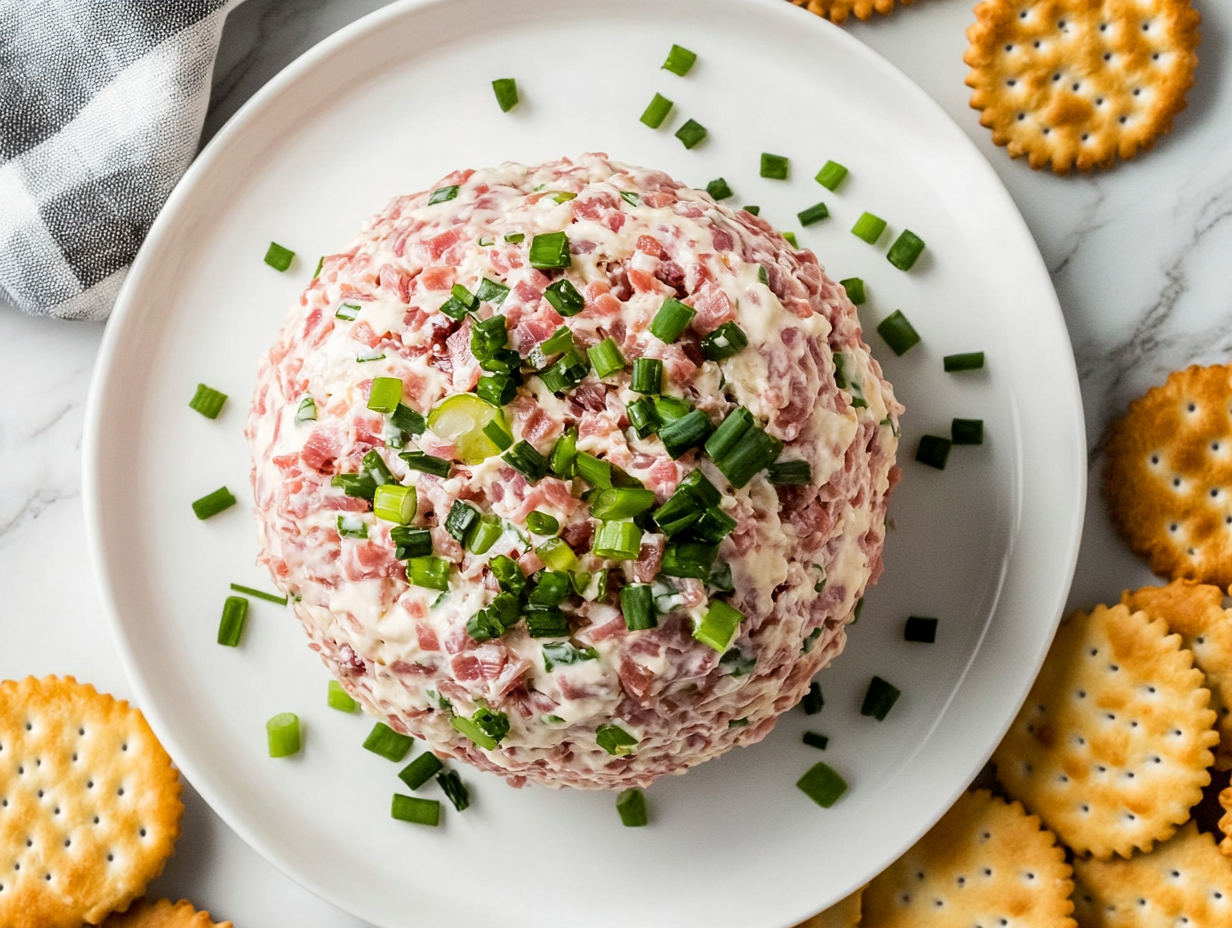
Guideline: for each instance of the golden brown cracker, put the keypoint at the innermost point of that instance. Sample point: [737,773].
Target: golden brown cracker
[838,10]
[1168,475]
[1079,83]
[89,804]
[1225,822]
[1112,744]
[987,862]
[162,913]
[843,914]
[1195,612]
[1183,881]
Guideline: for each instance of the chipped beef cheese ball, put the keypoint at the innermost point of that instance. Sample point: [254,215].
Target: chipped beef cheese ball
[573,472]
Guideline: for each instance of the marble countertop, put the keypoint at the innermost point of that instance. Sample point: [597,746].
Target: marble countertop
[1138,256]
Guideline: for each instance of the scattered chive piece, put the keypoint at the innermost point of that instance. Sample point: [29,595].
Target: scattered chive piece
[249,591]
[523,458]
[496,389]
[606,358]
[671,320]
[550,250]
[410,542]
[967,431]
[684,434]
[689,558]
[542,523]
[898,333]
[419,771]
[647,375]
[442,194]
[429,572]
[320,264]
[725,341]
[621,503]
[615,740]
[486,533]
[906,249]
[508,574]
[631,197]
[415,810]
[556,554]
[691,133]
[790,237]
[868,227]
[618,540]
[752,210]
[347,312]
[408,420]
[515,238]
[565,298]
[395,503]
[642,416]
[879,699]
[307,411]
[454,789]
[774,166]
[971,361]
[385,394]
[461,519]
[831,175]
[234,615]
[718,626]
[670,408]
[545,622]
[352,525]
[631,806]
[657,111]
[277,257]
[740,448]
[921,629]
[563,460]
[855,613]
[207,401]
[283,735]
[340,699]
[487,728]
[213,503]
[552,589]
[564,196]
[711,527]
[933,451]
[790,473]
[488,337]
[855,290]
[822,785]
[567,372]
[637,604]
[559,341]
[813,700]
[813,214]
[718,189]
[429,464]
[679,60]
[390,744]
[506,90]
[814,740]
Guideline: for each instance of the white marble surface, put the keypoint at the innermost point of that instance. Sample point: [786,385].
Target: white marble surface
[1138,255]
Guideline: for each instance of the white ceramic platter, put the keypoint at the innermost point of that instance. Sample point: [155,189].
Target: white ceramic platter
[987,545]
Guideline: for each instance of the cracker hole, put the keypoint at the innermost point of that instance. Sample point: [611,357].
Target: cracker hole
[1061,24]
[1037,44]
[110,858]
[1114,668]
[1137,91]
[120,791]
[1099,101]
[1082,694]
[96,820]
[1085,136]
[40,794]
[81,731]
[1086,808]
[1103,27]
[47,877]
[1074,87]
[1030,876]
[1047,132]
[1155,459]
[142,832]
[29,842]
[1009,48]
[1176,481]
[1011,82]
[1107,56]
[1022,15]
[987,871]
[1022,116]
[1146,27]
[68,841]
[1124,119]
[29,726]
[1155,57]
[89,784]
[1157,759]
[1056,77]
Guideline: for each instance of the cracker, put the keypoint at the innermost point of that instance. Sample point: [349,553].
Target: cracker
[1079,83]
[162,913]
[1168,475]
[843,914]
[1112,744]
[1183,881]
[1195,612]
[838,10]
[1225,822]
[987,862]
[89,804]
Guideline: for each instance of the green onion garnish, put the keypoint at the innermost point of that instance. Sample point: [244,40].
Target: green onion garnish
[594,471]
[727,340]
[744,450]
[691,133]
[320,264]
[557,554]
[370,356]
[855,613]
[615,740]
[542,523]
[442,194]
[234,615]
[558,341]
[679,61]
[415,810]
[738,663]
[408,420]
[491,292]
[506,90]
[485,535]
[565,196]
[752,211]
[647,375]
[461,519]
[429,572]
[630,197]
[567,372]
[340,699]
[737,723]
[410,542]
[656,111]
[419,771]
[718,626]
[494,620]
[812,701]
[498,435]
[454,789]
[855,290]
[671,320]
[564,652]
[774,166]
[621,503]
[515,238]
[933,451]
[670,408]
[385,395]
[813,214]
[213,503]
[642,415]
[631,807]
[277,257]
[307,411]
[727,435]
[455,308]
[689,559]
[831,175]
[283,735]
[352,525]
[898,333]
[790,237]
[822,785]
[693,495]
[496,389]
[549,251]
[563,459]
[523,458]
[711,527]
[920,629]
[207,401]
[814,740]
[508,574]
[606,358]
[259,594]
[347,312]
[488,337]
[967,431]
[879,699]
[565,298]
[620,541]
[485,728]
[906,249]
[686,433]
[390,744]
[427,463]
[868,227]
[637,604]
[546,622]
[790,473]
[395,503]
[552,589]
[718,189]
[971,361]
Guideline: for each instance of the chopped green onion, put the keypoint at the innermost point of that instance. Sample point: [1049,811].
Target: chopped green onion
[920,629]
[489,336]
[213,503]
[774,166]
[671,320]
[565,298]
[898,333]
[691,133]
[486,728]
[631,807]
[352,525]
[868,227]
[727,435]
[738,663]
[347,312]
[686,433]
[656,111]
[565,653]
[523,458]
[822,785]
[670,408]
[621,541]
[621,503]
[340,699]
[971,361]
[370,356]
[277,257]
[693,495]
[496,389]
[390,744]
[506,90]
[814,740]
[813,214]
[565,196]
[718,626]
[606,358]
[454,789]
[484,242]
[410,542]
[630,197]
[855,613]
[790,473]
[395,503]
[207,401]
[490,291]
[415,810]
[855,290]
[485,535]
[727,340]
[385,394]
[642,415]
[498,435]
[546,622]
[307,411]
[647,375]
[615,740]
[515,238]
[558,341]
[711,527]
[812,701]
[689,559]
[718,189]
[508,574]
[791,239]
[742,452]
[234,615]
[563,459]
[461,519]
[679,60]
[879,699]
[906,250]
[557,554]
[442,194]
[455,308]
[567,372]
[494,620]
[427,463]
[419,771]
[542,523]
[259,594]
[933,451]
[967,431]
[408,420]
[763,276]
[283,734]
[552,589]
[831,175]
[594,471]
[429,572]
[752,210]
[637,604]
[549,251]
[320,264]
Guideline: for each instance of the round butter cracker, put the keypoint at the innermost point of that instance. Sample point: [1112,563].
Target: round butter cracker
[843,914]
[162,913]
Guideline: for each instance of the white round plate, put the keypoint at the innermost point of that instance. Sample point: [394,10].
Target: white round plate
[987,545]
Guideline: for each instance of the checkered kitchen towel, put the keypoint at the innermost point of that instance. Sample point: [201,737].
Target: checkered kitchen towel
[101,105]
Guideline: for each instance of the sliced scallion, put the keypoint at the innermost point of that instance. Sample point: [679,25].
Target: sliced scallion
[523,458]
[813,214]
[615,740]
[971,361]
[307,411]
[231,626]
[933,451]
[774,167]
[718,626]
[898,333]
[724,342]
[621,503]
[390,744]
[419,771]
[691,133]
[879,698]
[790,473]
[498,435]
[557,554]
[906,250]
[868,227]
[347,312]
[546,622]
[822,785]
[259,594]
[454,789]
[515,238]
[485,534]
[631,807]
[752,210]
[567,372]
[637,605]
[429,572]
[415,810]
[711,527]
[656,111]
[283,734]
[617,540]
[385,394]
[686,433]
[410,542]
[550,250]
[679,60]
[967,431]
[647,375]
[565,652]
[213,503]
[671,320]
[814,740]
[506,90]
[831,175]
[461,519]
[508,574]
[855,290]
[921,629]
[542,523]
[790,237]
[596,472]
[488,337]
[606,358]
[552,589]
[496,389]
[631,197]
[641,414]
[408,420]
[427,463]
[813,700]
[563,459]
[719,189]
[689,559]
[565,298]
[207,401]
[442,194]
[277,257]
[395,503]
[340,699]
